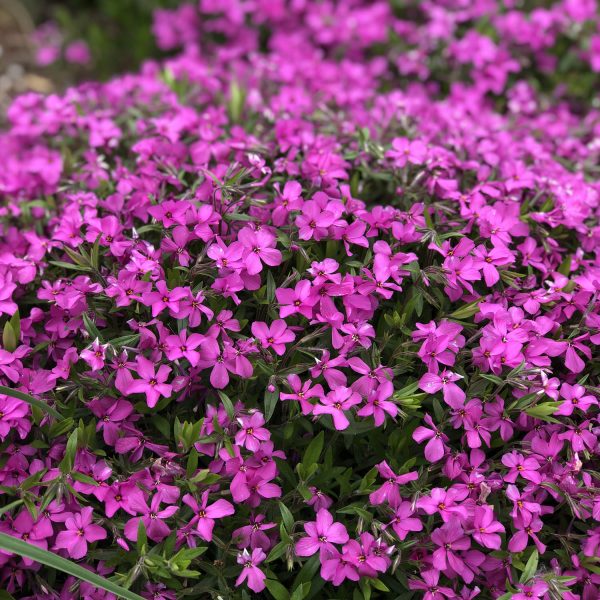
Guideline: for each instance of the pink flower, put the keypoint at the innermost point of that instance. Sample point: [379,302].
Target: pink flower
[528,468]
[276,336]
[182,346]
[321,535]
[378,405]
[164,298]
[519,541]
[252,433]
[435,447]
[302,392]
[575,397]
[536,590]
[151,382]
[451,540]
[406,151]
[403,521]
[152,517]
[254,577]
[389,492]
[429,585]
[485,528]
[205,514]
[335,403]
[94,355]
[79,532]
[432,383]
[259,247]
[299,300]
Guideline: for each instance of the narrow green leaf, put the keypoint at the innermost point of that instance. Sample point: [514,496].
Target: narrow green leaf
[286,515]
[10,506]
[313,450]
[277,590]
[227,404]
[271,399]
[530,567]
[21,548]
[66,464]
[9,337]
[30,400]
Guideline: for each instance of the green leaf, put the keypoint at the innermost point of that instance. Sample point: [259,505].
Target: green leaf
[227,404]
[301,591]
[313,450]
[277,590]
[530,567]
[30,400]
[286,515]
[271,399]
[66,464]
[9,337]
[277,551]
[91,328]
[66,265]
[141,543]
[21,548]
[237,99]
[565,266]
[543,411]
[10,506]
[466,311]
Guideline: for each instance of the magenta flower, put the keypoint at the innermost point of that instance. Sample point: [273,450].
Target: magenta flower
[302,393]
[80,531]
[446,503]
[164,298]
[403,521]
[574,397]
[445,381]
[151,382]
[451,539]
[436,446]
[335,403]
[299,300]
[253,576]
[205,514]
[259,248]
[321,535]
[407,151]
[152,517]
[338,567]
[538,589]
[430,585]
[528,468]
[389,492]
[489,260]
[182,346]
[486,528]
[378,404]
[252,433]
[520,539]
[276,336]
[94,355]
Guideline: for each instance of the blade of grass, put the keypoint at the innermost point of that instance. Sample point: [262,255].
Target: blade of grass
[17,546]
[30,400]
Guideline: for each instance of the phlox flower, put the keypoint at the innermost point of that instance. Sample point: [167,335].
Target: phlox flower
[80,531]
[322,534]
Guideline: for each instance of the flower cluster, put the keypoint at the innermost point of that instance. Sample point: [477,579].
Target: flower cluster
[309,305]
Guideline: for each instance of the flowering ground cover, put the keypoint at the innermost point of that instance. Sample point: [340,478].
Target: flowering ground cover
[308,309]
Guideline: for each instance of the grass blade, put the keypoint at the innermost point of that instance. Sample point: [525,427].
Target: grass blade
[19,547]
